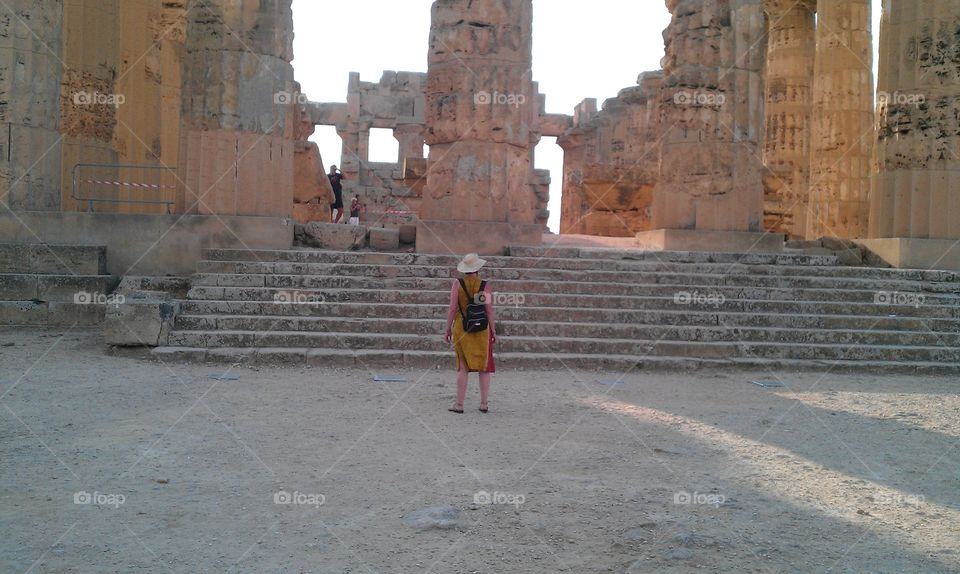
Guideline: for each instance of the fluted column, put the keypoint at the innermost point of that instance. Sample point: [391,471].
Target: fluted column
[791,54]
[842,135]
[916,191]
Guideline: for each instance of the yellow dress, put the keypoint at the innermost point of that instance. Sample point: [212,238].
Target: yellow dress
[473,348]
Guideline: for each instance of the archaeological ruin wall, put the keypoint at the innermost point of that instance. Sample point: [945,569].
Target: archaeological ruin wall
[611,162]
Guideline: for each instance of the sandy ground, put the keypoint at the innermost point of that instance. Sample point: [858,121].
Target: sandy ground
[664,472]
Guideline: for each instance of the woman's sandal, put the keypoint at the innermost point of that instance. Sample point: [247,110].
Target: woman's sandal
[455,410]
[484,410]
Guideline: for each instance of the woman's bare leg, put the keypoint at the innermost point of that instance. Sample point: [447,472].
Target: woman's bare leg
[484,389]
[462,374]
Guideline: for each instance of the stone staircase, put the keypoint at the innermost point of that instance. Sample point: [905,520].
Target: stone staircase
[53,285]
[571,307]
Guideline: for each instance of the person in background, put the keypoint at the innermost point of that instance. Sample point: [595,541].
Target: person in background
[355,209]
[336,208]
[473,343]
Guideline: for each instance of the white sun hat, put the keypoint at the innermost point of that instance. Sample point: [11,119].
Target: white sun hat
[471,264]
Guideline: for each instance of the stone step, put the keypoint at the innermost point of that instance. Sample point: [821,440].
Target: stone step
[625,366]
[547,345]
[371,277]
[50,313]
[45,287]
[613,271]
[46,259]
[433,327]
[378,311]
[705,304]
[741,288]
[722,262]
[582,261]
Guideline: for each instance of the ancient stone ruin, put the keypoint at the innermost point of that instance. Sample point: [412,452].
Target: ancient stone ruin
[166,157]
[761,122]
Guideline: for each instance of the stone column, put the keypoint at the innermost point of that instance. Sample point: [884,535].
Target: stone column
[30,77]
[791,54]
[917,187]
[712,120]
[410,137]
[573,201]
[150,79]
[915,199]
[843,124]
[479,85]
[89,96]
[239,112]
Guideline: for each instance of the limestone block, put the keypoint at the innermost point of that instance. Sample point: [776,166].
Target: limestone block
[238,92]
[311,212]
[383,239]
[332,236]
[310,181]
[243,174]
[140,322]
[242,26]
[408,234]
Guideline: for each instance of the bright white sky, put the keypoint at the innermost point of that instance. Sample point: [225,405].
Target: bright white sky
[580,50]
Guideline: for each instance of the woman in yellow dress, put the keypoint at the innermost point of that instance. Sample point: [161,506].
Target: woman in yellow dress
[474,350]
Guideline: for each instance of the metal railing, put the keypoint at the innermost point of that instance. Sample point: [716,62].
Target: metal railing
[115,178]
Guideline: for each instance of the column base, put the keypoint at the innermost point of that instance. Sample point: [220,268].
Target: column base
[913,253]
[717,241]
[483,237]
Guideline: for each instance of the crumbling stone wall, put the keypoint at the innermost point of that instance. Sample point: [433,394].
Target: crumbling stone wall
[611,162]
[396,102]
[393,191]
[312,192]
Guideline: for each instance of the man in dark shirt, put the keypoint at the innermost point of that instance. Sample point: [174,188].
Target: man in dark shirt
[336,208]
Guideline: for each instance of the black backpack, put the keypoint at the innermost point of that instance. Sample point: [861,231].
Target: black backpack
[475,319]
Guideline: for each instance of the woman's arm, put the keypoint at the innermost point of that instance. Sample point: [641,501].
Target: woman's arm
[493,328]
[453,308]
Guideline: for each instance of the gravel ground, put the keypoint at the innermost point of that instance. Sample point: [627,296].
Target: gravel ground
[113,463]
